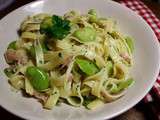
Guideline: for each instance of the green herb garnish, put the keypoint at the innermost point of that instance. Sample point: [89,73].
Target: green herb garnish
[55,27]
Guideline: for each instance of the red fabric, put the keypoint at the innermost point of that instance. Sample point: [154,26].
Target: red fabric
[140,8]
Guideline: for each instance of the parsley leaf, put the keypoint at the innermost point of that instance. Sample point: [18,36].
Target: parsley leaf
[55,27]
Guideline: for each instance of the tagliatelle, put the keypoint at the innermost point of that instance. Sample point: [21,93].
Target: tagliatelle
[79,59]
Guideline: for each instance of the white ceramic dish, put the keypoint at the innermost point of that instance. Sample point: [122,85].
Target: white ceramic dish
[145,70]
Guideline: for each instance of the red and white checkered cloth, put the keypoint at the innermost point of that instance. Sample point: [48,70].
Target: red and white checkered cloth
[140,8]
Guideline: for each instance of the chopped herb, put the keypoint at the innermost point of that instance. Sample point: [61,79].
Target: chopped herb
[41,61]
[114,35]
[88,99]
[8,72]
[60,54]
[12,45]
[54,93]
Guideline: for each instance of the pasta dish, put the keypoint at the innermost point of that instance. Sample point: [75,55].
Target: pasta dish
[78,59]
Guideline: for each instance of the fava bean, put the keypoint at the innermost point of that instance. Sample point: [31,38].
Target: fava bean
[38,77]
[121,86]
[85,34]
[87,67]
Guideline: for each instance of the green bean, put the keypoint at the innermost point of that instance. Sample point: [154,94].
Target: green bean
[12,45]
[38,77]
[85,34]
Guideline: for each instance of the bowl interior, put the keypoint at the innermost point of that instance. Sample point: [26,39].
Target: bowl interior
[146,59]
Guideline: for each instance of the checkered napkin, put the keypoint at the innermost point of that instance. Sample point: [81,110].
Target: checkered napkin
[140,8]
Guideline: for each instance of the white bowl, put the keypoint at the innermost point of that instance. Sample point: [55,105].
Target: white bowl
[145,70]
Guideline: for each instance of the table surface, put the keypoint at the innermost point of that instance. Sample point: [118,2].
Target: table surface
[138,112]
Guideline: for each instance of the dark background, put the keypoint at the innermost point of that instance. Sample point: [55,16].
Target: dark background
[139,112]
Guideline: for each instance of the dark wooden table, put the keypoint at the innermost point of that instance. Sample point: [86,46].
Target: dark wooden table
[139,112]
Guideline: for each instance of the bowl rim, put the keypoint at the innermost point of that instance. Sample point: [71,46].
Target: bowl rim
[128,106]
